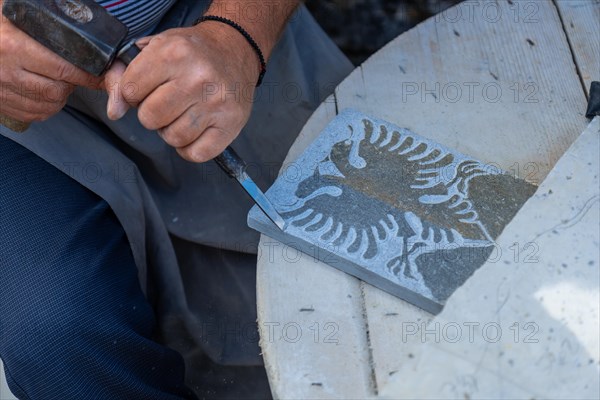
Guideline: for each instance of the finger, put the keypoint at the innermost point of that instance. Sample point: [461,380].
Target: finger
[37,88]
[58,69]
[143,42]
[164,105]
[29,112]
[186,129]
[210,144]
[34,94]
[116,107]
[31,107]
[143,76]
[8,110]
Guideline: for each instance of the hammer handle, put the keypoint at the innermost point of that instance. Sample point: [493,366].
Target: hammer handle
[129,52]
[14,124]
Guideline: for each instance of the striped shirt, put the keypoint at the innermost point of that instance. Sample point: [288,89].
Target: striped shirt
[138,15]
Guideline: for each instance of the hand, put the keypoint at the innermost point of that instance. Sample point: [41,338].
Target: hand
[35,82]
[194,85]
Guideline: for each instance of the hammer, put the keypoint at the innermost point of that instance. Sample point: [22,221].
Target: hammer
[85,34]
[81,32]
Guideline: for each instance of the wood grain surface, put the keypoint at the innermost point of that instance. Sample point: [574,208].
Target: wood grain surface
[494,80]
[580,20]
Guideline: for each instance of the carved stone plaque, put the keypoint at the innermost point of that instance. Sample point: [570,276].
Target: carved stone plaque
[393,208]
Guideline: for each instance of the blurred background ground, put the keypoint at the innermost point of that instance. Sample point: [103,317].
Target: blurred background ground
[361,27]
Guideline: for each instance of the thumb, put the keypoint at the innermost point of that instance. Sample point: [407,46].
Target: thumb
[143,42]
[117,106]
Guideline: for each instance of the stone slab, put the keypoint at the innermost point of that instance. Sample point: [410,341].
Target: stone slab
[393,208]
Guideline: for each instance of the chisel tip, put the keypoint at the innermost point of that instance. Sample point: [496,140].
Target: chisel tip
[277,220]
[262,202]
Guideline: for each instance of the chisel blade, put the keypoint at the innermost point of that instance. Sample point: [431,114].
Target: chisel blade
[261,200]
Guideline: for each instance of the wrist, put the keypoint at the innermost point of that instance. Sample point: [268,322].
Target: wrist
[264,21]
[231,42]
[250,42]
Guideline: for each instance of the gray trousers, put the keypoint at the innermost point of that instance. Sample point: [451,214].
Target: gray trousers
[185,222]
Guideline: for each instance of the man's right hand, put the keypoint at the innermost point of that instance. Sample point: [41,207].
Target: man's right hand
[34,82]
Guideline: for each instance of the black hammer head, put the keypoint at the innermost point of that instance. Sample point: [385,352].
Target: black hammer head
[80,31]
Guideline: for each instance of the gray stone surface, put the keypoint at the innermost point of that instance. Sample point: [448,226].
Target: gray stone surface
[393,208]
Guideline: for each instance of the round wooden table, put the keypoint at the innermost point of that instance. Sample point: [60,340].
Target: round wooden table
[505,82]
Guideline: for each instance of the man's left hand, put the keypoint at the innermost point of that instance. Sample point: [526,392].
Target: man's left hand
[194,85]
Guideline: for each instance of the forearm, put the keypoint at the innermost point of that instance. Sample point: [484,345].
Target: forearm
[263,20]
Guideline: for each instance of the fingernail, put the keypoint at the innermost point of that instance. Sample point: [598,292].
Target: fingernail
[116,109]
[120,109]
[110,108]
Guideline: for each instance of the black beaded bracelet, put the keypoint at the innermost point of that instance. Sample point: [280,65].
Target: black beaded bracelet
[246,35]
